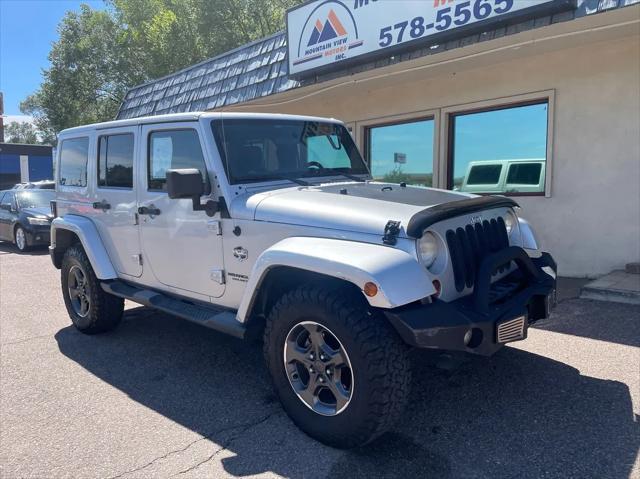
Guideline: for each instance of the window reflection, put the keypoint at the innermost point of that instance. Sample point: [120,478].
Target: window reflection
[402,152]
[73,162]
[500,151]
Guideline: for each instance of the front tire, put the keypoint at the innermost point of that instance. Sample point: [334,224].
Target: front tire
[90,308]
[339,369]
[20,239]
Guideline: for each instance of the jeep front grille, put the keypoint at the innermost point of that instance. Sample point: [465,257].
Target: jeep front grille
[470,245]
[511,330]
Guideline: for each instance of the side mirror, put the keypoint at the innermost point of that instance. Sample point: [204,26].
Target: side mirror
[187,183]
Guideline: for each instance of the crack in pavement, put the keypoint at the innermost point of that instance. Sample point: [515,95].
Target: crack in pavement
[244,427]
[228,443]
[24,340]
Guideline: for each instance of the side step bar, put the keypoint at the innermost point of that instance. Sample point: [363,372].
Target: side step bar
[215,318]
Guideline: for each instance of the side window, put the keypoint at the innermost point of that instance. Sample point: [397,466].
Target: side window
[7,200]
[524,174]
[402,152]
[499,136]
[484,175]
[173,149]
[74,154]
[115,161]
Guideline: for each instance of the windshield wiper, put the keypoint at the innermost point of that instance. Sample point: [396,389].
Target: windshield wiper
[351,177]
[273,178]
[331,171]
[295,180]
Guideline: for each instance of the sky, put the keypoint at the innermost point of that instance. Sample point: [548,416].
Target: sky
[27,29]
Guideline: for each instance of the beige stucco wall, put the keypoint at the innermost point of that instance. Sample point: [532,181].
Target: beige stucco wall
[591,221]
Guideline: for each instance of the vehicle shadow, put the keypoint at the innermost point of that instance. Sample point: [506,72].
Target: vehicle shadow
[7,248]
[514,415]
[611,322]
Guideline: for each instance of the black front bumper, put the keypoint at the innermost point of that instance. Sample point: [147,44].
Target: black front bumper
[38,235]
[471,323]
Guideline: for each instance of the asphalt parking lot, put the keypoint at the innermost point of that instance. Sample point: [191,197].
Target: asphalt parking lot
[161,397]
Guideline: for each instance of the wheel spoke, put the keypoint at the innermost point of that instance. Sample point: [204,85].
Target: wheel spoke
[315,336]
[333,357]
[308,394]
[296,353]
[84,305]
[77,274]
[74,292]
[339,392]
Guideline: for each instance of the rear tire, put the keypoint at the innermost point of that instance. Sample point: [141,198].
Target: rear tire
[90,308]
[377,385]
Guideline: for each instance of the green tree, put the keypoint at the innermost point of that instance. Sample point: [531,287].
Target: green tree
[101,54]
[17,132]
[89,72]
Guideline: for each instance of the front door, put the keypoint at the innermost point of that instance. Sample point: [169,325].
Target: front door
[115,204]
[6,216]
[182,247]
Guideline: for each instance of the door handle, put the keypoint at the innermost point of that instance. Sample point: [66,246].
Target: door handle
[148,210]
[102,205]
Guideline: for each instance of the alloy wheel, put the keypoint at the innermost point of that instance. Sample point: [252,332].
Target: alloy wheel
[79,291]
[21,239]
[318,368]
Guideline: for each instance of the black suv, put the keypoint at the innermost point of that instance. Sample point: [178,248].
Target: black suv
[25,217]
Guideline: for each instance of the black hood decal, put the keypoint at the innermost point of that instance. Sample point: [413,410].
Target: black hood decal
[408,195]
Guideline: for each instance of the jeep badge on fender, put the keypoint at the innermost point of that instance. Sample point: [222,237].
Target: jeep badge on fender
[339,273]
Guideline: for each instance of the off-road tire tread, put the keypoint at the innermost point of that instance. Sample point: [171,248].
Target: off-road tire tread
[106,309]
[385,356]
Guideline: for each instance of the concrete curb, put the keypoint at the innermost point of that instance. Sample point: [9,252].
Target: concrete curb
[612,295]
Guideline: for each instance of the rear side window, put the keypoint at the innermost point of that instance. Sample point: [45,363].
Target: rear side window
[6,199]
[524,174]
[74,154]
[173,149]
[484,175]
[115,161]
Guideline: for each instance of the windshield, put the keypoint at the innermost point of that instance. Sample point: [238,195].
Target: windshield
[35,198]
[265,149]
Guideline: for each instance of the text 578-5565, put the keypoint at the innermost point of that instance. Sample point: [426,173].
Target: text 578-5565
[446,18]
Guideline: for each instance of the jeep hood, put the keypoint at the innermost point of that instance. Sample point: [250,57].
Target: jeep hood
[356,207]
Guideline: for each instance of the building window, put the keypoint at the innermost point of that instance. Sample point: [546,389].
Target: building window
[402,152]
[173,149]
[74,154]
[499,150]
[115,161]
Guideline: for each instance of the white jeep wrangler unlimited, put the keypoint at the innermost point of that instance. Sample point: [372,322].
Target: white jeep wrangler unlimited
[270,224]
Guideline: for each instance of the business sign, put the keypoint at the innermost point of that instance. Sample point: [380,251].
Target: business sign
[322,34]
[400,158]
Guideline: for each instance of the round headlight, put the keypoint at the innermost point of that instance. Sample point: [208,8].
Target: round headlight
[510,221]
[428,248]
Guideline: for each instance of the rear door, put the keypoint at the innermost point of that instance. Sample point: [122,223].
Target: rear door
[115,201]
[182,247]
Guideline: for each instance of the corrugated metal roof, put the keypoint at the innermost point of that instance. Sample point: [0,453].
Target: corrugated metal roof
[260,69]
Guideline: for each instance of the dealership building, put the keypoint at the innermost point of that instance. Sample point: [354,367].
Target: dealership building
[537,99]
[24,163]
